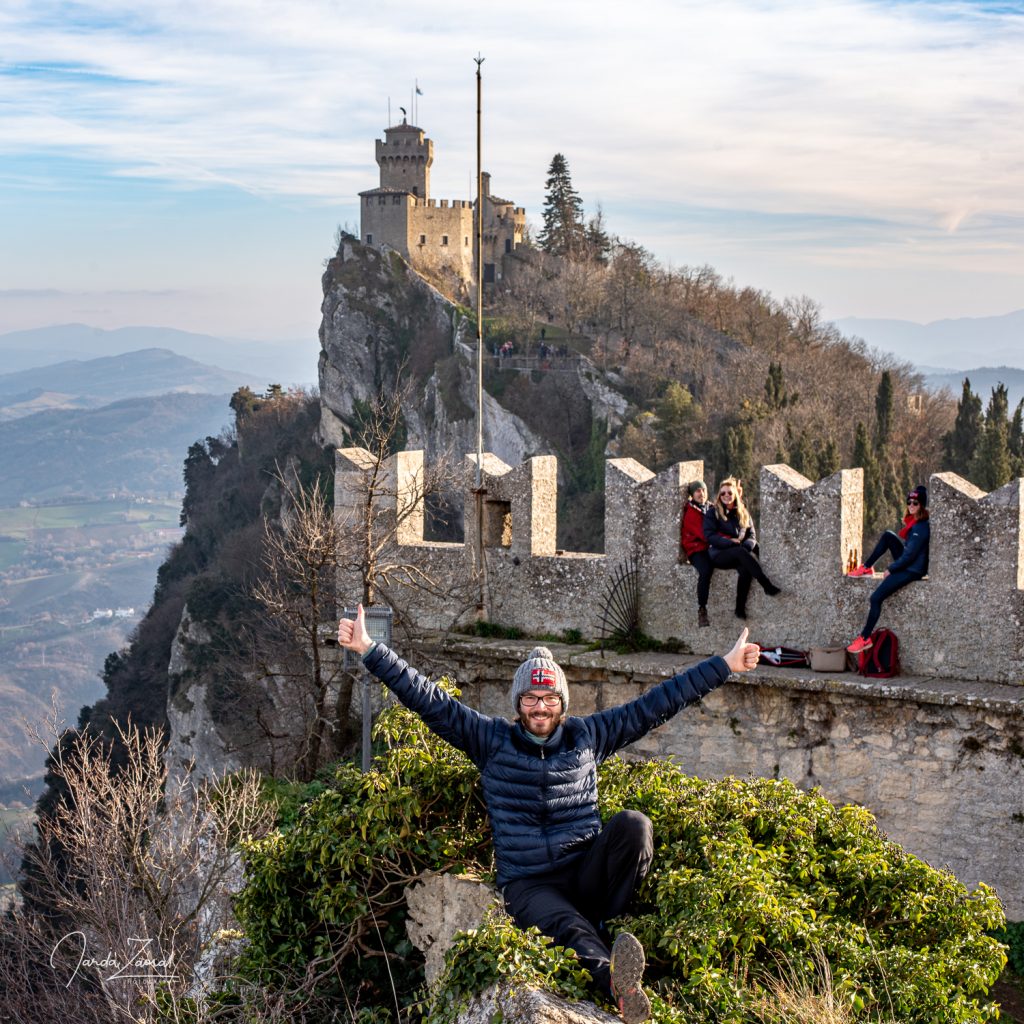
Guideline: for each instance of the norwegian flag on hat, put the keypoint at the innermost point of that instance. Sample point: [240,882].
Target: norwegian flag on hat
[543,677]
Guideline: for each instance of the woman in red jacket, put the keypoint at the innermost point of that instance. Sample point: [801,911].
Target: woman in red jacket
[695,547]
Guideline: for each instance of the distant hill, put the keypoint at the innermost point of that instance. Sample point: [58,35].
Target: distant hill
[279,363]
[134,446]
[983,379]
[78,384]
[957,344]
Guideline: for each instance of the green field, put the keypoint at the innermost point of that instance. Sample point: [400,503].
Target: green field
[11,550]
[21,521]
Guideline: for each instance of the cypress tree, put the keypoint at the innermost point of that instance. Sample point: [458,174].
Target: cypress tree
[775,392]
[829,461]
[883,409]
[739,453]
[875,506]
[1016,441]
[962,441]
[991,466]
[563,231]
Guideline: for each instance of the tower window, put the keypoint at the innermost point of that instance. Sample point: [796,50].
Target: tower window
[369,239]
[466,240]
[423,239]
[444,239]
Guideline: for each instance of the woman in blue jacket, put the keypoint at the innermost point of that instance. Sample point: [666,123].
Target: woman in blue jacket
[909,565]
[557,867]
[732,542]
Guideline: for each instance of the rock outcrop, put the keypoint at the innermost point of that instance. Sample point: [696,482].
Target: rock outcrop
[380,315]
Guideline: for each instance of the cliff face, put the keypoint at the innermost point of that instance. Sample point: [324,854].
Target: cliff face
[379,315]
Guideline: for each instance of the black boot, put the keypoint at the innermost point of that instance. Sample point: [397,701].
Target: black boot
[702,617]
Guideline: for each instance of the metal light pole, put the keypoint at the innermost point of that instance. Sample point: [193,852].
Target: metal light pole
[479,489]
[379,621]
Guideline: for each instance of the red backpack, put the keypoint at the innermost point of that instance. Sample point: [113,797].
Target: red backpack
[882,659]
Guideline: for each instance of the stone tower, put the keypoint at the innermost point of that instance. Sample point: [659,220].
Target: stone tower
[436,236]
[404,158]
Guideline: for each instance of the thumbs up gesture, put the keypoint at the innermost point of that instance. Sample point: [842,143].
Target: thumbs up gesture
[352,633]
[743,656]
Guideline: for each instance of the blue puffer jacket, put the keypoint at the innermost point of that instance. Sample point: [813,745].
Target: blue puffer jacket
[541,798]
[915,551]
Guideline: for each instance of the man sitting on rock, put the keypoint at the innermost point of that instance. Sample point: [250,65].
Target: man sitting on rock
[557,868]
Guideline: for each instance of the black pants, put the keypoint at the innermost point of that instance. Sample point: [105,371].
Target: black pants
[572,904]
[890,542]
[893,582]
[701,561]
[746,564]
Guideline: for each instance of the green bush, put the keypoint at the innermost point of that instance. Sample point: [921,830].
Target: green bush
[752,881]
[329,886]
[1013,936]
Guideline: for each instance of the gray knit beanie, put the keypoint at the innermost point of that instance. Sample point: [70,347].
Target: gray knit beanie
[693,486]
[539,672]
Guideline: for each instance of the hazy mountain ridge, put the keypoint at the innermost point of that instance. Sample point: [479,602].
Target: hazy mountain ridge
[957,344]
[983,379]
[134,446]
[84,384]
[288,362]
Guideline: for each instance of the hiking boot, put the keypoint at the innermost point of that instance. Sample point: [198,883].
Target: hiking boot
[860,643]
[771,590]
[627,971]
[702,617]
[741,613]
[862,570]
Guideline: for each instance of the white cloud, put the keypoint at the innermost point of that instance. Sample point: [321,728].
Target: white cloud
[903,115]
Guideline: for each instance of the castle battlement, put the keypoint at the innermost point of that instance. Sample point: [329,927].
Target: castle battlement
[963,621]
[437,237]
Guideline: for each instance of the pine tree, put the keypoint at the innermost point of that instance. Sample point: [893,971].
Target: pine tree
[962,441]
[597,243]
[991,466]
[676,411]
[563,231]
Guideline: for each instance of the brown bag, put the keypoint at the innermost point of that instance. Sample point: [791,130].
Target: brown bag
[828,659]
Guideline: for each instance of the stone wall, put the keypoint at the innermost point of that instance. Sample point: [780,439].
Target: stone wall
[940,763]
[963,622]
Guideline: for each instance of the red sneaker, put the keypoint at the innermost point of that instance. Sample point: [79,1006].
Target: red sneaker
[862,570]
[860,644]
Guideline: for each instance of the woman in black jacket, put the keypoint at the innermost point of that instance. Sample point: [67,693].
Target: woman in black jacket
[732,542]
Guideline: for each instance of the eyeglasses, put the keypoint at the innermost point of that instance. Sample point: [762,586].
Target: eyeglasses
[531,700]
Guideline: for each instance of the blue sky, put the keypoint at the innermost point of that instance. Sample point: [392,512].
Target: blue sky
[185,164]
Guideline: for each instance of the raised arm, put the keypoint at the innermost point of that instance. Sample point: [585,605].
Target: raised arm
[452,720]
[628,722]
